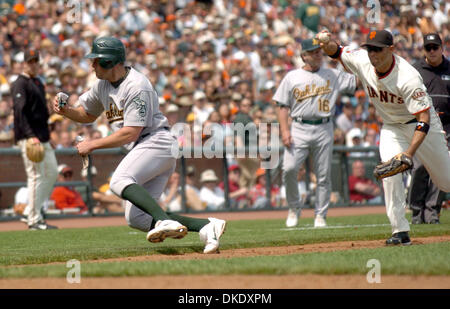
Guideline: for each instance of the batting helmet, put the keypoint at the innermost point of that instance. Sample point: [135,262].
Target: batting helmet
[109,50]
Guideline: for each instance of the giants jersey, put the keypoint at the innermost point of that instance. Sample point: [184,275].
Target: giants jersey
[134,103]
[311,95]
[397,95]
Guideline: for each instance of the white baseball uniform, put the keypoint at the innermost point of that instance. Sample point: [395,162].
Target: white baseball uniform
[149,162]
[311,96]
[397,96]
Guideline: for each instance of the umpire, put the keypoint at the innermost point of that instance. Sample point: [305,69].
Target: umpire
[30,122]
[425,198]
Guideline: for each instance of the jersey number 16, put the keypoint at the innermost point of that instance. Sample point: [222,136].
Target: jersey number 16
[324,105]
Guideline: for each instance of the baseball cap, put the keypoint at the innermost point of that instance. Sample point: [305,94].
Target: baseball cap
[233,167]
[379,38]
[432,38]
[30,54]
[208,175]
[63,168]
[309,45]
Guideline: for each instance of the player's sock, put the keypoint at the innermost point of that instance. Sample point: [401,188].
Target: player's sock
[192,224]
[137,195]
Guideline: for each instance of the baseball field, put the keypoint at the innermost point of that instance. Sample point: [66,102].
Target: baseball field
[257,252]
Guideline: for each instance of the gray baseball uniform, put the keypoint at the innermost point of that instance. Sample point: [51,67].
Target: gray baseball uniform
[311,97]
[149,162]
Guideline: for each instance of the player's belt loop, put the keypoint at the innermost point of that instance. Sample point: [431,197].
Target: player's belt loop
[314,122]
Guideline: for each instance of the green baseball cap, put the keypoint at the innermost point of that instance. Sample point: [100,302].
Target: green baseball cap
[309,45]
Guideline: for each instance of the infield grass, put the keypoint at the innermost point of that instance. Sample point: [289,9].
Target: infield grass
[42,247]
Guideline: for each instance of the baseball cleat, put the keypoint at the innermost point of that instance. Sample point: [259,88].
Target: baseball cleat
[400,238]
[166,228]
[292,218]
[211,233]
[41,225]
[320,221]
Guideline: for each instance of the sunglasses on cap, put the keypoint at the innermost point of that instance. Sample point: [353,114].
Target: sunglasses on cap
[431,47]
[376,49]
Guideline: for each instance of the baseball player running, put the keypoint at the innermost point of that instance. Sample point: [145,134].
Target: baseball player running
[410,123]
[308,95]
[132,108]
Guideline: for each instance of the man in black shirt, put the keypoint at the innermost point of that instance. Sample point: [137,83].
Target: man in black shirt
[30,121]
[425,198]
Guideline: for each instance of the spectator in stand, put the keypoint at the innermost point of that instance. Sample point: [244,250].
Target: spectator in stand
[65,140]
[362,189]
[237,194]
[66,197]
[345,120]
[211,194]
[248,165]
[257,193]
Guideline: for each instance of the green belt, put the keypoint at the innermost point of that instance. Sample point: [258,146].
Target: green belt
[318,121]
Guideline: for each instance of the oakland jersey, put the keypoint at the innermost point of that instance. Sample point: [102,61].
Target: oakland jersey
[134,103]
[312,95]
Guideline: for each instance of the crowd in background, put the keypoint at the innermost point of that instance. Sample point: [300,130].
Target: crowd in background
[210,61]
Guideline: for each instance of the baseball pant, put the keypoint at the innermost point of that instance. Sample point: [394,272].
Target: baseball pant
[424,197]
[149,164]
[396,138]
[41,178]
[317,141]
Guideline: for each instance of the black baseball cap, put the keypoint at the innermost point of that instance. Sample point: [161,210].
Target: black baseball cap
[432,38]
[379,38]
[30,54]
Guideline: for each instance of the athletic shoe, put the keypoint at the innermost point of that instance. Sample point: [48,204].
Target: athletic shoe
[166,228]
[41,225]
[400,238]
[23,219]
[434,221]
[210,234]
[319,221]
[292,218]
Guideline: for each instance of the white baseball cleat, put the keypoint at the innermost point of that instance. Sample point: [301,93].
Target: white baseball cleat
[319,221]
[292,218]
[166,228]
[210,234]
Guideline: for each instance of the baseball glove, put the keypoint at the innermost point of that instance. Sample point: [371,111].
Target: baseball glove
[34,150]
[397,164]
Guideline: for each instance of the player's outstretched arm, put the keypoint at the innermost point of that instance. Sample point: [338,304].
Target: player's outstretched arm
[77,114]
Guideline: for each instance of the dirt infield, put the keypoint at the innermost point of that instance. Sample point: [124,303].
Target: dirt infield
[237,281]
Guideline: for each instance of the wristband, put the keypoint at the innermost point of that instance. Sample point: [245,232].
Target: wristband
[337,53]
[422,127]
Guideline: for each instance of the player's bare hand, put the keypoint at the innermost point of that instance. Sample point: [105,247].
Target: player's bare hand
[84,147]
[286,138]
[324,37]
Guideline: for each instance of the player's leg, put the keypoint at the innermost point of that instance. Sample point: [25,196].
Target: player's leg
[392,142]
[433,201]
[434,155]
[322,152]
[41,178]
[143,163]
[292,159]
[418,191]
